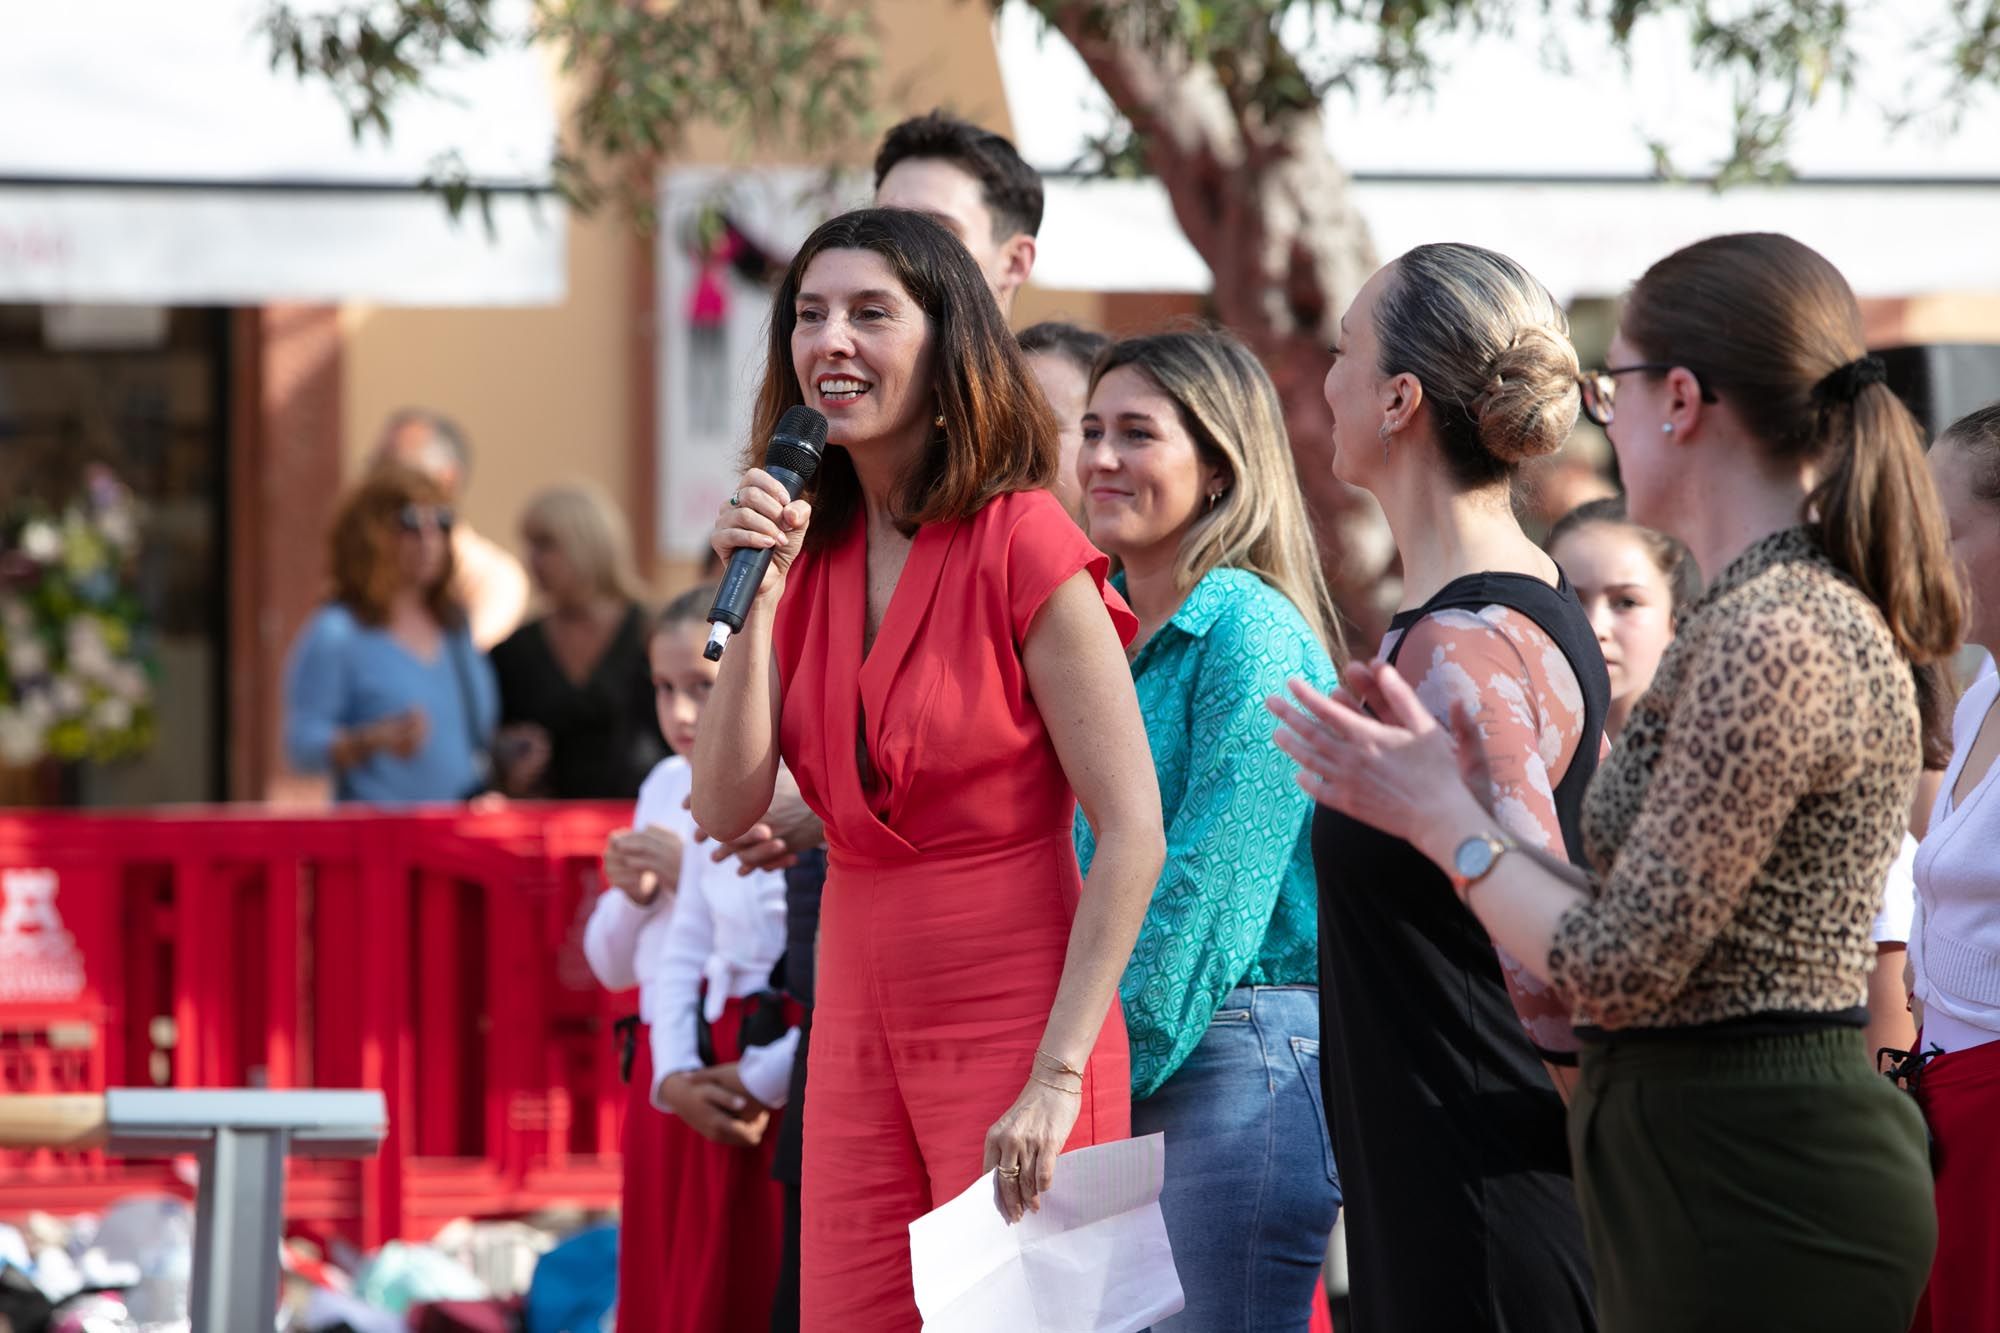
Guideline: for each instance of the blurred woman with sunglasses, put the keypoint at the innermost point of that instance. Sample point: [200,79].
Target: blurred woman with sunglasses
[384,690]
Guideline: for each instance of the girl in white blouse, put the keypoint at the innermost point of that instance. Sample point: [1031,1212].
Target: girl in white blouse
[701,1219]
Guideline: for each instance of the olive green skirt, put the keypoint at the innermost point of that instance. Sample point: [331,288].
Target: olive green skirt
[1753,1183]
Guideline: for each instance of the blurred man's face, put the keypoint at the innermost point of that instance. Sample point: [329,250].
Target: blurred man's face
[953,196]
[414,445]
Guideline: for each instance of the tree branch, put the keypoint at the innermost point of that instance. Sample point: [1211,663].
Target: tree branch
[1262,200]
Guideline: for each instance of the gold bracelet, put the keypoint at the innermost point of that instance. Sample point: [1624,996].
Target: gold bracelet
[1073,1073]
[1074,1092]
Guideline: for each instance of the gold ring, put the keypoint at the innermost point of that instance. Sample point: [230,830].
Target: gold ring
[1009,1172]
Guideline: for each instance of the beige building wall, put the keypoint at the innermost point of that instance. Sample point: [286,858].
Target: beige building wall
[1954,317]
[545,395]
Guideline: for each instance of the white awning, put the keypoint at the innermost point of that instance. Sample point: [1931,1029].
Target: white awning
[1554,168]
[1113,236]
[1582,238]
[168,162]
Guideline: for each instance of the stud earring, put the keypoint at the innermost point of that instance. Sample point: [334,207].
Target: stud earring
[938,421]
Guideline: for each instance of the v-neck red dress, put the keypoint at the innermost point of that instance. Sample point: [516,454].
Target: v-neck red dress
[951,883]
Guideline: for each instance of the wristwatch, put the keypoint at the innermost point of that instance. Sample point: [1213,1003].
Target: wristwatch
[1475,858]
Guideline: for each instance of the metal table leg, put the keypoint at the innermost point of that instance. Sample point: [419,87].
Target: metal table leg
[239,1215]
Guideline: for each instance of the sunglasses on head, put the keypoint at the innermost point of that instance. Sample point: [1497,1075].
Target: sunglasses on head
[1600,387]
[415,518]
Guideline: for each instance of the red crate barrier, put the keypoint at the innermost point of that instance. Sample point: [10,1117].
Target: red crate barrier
[434,955]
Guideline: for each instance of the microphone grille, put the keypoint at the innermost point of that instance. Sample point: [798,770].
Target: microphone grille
[803,424]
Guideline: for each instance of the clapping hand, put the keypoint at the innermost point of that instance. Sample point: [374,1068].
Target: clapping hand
[1373,752]
[643,862]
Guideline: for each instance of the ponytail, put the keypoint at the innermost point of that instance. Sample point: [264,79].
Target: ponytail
[1878,518]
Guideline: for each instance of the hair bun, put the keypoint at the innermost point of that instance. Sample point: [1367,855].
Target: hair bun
[1529,405]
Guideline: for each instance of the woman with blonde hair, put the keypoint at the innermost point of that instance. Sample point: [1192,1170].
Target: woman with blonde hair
[1454,367]
[1187,481]
[576,694]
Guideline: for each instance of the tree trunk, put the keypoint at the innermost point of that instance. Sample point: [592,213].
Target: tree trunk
[1266,205]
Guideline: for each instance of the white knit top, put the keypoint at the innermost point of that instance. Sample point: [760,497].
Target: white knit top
[1955,944]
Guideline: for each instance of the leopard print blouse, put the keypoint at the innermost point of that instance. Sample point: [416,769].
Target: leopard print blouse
[1742,827]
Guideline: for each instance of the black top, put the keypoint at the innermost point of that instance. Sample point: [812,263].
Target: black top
[1447,1132]
[604,735]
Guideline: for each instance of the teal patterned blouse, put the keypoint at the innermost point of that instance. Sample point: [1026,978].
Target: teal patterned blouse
[1235,904]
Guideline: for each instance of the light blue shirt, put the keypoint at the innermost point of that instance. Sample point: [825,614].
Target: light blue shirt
[343,674]
[1235,904]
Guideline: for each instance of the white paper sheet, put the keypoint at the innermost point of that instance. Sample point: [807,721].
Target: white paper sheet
[1095,1259]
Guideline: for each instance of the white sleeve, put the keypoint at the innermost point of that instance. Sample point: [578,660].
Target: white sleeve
[672,994]
[611,937]
[766,1071]
[662,796]
[1899,897]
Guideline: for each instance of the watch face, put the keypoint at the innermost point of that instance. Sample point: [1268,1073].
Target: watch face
[1473,858]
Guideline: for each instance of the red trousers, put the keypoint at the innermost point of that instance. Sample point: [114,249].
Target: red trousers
[935,981]
[1960,1094]
[701,1224]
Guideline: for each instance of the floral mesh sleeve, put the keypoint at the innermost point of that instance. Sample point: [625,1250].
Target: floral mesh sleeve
[1519,688]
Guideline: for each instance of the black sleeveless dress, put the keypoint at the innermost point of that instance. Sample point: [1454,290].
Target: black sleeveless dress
[1449,1137]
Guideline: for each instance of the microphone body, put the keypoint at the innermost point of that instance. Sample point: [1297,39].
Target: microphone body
[791,459]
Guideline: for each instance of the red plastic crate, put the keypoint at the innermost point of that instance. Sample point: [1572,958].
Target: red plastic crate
[436,956]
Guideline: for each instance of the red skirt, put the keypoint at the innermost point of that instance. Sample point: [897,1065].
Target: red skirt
[1960,1094]
[701,1224]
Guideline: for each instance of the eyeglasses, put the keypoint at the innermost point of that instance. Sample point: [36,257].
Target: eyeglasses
[1600,387]
[415,518]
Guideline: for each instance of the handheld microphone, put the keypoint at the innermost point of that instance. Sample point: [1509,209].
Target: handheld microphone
[791,458]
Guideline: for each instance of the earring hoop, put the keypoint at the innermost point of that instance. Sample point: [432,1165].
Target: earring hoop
[1213,496]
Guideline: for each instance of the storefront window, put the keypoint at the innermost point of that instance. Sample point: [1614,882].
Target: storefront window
[139,398]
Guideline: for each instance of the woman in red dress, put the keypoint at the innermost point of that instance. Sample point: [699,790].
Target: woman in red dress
[937,659]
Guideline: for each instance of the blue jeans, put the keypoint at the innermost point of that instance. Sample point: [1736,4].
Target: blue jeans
[1251,1193]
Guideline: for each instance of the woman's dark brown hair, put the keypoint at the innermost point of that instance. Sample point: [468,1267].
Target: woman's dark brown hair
[998,435]
[363,548]
[1772,328]
[1073,343]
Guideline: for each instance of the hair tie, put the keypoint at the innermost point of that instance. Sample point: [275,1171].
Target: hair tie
[1844,384]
